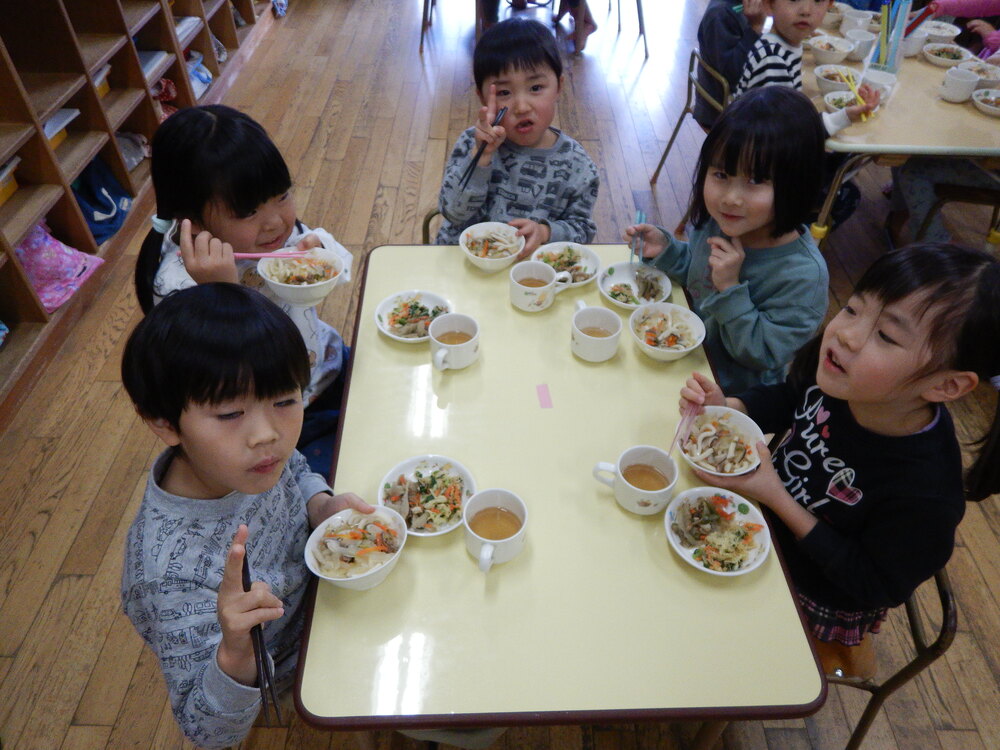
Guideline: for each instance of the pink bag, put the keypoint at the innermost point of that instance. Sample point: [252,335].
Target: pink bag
[55,270]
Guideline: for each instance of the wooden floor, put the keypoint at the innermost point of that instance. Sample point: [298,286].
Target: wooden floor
[365,124]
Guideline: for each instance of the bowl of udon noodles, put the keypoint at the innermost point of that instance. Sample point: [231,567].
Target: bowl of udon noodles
[665,331]
[722,442]
[356,550]
[304,280]
[491,245]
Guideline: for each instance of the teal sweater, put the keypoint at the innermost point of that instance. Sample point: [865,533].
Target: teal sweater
[753,329]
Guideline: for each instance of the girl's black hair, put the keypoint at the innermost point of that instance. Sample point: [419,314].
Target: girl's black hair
[205,154]
[960,288]
[771,133]
[210,343]
[514,44]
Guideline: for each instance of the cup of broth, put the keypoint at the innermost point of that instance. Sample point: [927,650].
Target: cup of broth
[643,479]
[595,332]
[534,285]
[495,521]
[454,341]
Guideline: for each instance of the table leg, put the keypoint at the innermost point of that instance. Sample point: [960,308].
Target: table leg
[708,734]
[821,227]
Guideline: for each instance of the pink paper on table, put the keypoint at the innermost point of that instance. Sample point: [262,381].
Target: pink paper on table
[544,397]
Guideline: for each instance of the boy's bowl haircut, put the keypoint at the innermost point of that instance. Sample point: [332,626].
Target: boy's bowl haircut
[518,44]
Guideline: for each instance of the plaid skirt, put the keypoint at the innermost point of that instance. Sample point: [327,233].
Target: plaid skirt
[846,627]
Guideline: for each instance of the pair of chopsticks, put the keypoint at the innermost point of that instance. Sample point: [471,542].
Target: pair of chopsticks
[265,675]
[285,254]
[467,174]
[684,426]
[849,80]
[637,245]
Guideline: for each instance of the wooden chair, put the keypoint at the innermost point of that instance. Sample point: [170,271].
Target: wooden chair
[694,90]
[926,653]
[426,20]
[425,227]
[961,194]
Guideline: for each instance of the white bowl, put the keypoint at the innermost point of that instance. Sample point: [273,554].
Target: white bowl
[624,273]
[825,85]
[881,80]
[989,109]
[940,32]
[588,259]
[944,62]
[306,295]
[839,49]
[835,15]
[384,309]
[666,355]
[370,578]
[742,509]
[914,43]
[479,230]
[738,422]
[989,75]
[837,100]
[427,463]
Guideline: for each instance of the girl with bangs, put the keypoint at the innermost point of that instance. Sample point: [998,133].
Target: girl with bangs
[222,187]
[753,271]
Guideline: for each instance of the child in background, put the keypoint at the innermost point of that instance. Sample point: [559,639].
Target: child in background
[754,272]
[221,187]
[987,32]
[583,21]
[532,176]
[867,487]
[217,372]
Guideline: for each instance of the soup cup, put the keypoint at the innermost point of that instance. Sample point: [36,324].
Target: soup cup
[647,458]
[534,285]
[453,355]
[595,332]
[484,546]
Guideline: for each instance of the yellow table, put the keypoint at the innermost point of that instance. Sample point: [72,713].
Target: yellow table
[914,121]
[597,620]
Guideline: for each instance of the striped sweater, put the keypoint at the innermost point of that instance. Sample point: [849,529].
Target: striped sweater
[771,62]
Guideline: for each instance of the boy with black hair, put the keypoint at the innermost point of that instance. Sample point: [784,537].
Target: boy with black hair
[530,175]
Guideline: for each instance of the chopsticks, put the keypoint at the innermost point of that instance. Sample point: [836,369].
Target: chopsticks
[265,675]
[637,245]
[849,80]
[467,174]
[684,426]
[286,254]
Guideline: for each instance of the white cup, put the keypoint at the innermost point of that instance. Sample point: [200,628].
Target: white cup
[489,551]
[587,346]
[958,84]
[633,498]
[882,80]
[914,43]
[536,298]
[863,40]
[447,355]
[855,19]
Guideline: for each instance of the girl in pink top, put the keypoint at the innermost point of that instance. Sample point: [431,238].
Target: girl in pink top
[975,9]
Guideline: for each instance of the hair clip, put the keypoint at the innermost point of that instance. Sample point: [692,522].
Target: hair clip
[995,382]
[162,226]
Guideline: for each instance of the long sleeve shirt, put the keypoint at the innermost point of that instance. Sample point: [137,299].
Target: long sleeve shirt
[752,329]
[555,186]
[724,41]
[175,554]
[974,9]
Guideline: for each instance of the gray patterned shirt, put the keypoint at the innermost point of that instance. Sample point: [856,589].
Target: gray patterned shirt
[556,186]
[174,558]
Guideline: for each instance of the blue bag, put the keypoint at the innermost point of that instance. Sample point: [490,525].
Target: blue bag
[102,199]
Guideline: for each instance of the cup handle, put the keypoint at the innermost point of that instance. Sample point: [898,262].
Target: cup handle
[486,557]
[580,304]
[604,466]
[439,359]
[563,279]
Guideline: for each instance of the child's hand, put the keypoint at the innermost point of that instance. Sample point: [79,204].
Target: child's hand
[535,235]
[207,258]
[322,505]
[753,11]
[725,262]
[871,98]
[239,610]
[308,242]
[981,27]
[701,391]
[486,132]
[654,241]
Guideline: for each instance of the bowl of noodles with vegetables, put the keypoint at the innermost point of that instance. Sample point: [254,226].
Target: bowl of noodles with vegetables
[665,331]
[428,492]
[579,261]
[722,442]
[405,316]
[491,245]
[356,550]
[304,280]
[717,531]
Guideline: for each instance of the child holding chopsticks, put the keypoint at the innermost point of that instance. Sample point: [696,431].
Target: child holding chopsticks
[222,187]
[217,372]
[530,175]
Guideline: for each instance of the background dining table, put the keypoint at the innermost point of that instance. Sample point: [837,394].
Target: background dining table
[598,619]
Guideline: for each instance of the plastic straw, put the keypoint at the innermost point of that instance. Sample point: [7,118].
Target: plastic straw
[883,34]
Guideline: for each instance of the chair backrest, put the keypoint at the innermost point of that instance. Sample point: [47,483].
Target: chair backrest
[696,84]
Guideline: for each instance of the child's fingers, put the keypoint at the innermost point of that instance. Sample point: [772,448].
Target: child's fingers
[308,242]
[186,242]
[350,500]
[232,574]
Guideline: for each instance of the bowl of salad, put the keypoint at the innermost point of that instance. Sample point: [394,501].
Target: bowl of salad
[305,280]
[630,285]
[356,550]
[491,245]
[580,261]
[987,101]
[428,492]
[405,316]
[665,332]
[945,55]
